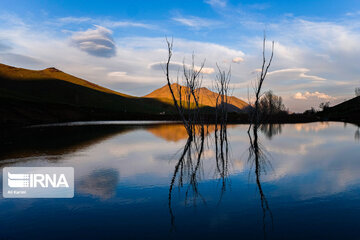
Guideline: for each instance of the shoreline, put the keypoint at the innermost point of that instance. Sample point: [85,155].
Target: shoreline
[149,122]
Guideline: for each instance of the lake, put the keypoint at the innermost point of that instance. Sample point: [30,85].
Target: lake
[131,184]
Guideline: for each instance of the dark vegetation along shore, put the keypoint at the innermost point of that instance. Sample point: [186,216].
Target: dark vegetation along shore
[348,111]
[29,97]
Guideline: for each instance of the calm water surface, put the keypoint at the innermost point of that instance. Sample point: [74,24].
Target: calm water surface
[129,183]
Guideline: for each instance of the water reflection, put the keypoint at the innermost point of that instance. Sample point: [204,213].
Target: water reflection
[188,166]
[222,155]
[55,141]
[177,132]
[259,158]
[306,176]
[312,127]
[271,130]
[169,132]
[99,183]
[187,169]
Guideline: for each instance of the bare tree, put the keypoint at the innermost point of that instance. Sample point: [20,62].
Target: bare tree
[167,73]
[257,154]
[222,88]
[222,83]
[192,80]
[255,119]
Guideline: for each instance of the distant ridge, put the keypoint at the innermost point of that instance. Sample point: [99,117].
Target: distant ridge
[50,95]
[15,73]
[206,97]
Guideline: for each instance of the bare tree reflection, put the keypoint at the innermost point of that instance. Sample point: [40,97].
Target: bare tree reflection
[257,155]
[222,156]
[187,169]
[271,129]
[357,134]
[221,141]
[259,159]
[189,166]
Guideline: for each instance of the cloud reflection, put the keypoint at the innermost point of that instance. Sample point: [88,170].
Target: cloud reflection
[100,183]
[298,153]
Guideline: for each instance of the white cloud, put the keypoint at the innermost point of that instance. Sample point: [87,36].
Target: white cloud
[311,77]
[195,22]
[329,36]
[104,22]
[216,3]
[117,74]
[301,72]
[12,19]
[97,42]
[74,19]
[205,70]
[114,24]
[177,66]
[299,96]
[350,14]
[237,60]
[308,95]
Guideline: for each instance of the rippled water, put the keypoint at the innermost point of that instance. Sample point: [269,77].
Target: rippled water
[306,184]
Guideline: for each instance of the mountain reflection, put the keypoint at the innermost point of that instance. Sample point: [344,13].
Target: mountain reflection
[169,132]
[177,132]
[28,142]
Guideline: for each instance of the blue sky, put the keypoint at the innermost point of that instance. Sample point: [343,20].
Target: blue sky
[120,44]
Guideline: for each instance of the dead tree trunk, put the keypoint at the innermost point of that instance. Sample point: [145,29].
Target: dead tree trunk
[193,80]
[255,119]
[167,73]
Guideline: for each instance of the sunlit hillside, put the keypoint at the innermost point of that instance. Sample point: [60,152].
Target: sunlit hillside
[51,95]
[206,97]
[22,74]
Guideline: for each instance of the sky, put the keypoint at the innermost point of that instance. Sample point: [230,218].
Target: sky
[121,44]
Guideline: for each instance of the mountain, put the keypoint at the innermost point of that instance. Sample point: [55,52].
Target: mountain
[206,97]
[346,111]
[50,95]
[20,74]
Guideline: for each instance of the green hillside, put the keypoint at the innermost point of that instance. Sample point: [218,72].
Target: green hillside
[51,95]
